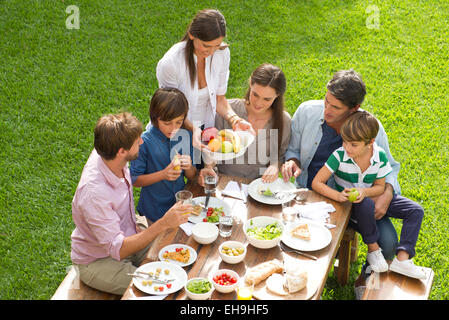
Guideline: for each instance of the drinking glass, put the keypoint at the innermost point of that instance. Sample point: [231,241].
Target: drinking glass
[184,196]
[225,226]
[245,290]
[289,211]
[210,182]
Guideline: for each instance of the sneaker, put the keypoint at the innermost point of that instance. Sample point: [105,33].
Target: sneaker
[377,261]
[407,268]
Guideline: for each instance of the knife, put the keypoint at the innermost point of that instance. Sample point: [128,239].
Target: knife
[242,193]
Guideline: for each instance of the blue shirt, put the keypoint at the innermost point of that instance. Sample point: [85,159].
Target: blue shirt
[306,136]
[155,154]
[330,141]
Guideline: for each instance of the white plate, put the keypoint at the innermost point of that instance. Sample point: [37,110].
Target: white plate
[246,139]
[320,237]
[277,185]
[214,203]
[176,272]
[172,248]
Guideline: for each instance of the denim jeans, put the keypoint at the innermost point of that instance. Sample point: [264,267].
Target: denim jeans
[401,208]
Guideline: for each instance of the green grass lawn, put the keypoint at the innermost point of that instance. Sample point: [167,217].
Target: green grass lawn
[55,84]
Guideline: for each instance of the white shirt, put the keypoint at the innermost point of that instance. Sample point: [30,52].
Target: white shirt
[172,72]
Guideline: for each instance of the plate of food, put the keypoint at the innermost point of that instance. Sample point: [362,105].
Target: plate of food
[179,254]
[157,273]
[265,192]
[226,144]
[215,208]
[306,236]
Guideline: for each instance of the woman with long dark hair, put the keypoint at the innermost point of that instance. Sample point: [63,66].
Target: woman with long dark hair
[263,108]
[199,67]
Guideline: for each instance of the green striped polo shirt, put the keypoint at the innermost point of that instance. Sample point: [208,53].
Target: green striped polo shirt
[347,173]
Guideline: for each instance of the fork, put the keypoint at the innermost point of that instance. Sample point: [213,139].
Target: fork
[285,248]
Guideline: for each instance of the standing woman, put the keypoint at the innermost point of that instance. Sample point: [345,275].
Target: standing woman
[199,67]
[263,108]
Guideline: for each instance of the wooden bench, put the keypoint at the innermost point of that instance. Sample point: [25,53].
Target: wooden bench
[71,288]
[385,286]
[393,286]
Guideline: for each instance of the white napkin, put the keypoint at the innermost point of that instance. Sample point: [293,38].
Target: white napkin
[318,211]
[187,227]
[232,189]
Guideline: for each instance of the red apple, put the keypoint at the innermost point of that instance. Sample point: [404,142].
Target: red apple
[208,134]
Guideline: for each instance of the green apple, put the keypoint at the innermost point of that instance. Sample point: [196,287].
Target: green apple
[226,147]
[353,194]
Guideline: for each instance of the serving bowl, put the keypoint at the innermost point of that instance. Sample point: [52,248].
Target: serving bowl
[232,259]
[198,296]
[205,232]
[261,222]
[228,287]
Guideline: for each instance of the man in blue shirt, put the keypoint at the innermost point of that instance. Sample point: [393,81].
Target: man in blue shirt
[316,134]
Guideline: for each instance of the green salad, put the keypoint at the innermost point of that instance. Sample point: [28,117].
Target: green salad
[269,232]
[199,286]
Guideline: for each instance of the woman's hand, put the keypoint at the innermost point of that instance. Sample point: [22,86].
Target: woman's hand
[243,125]
[206,171]
[270,174]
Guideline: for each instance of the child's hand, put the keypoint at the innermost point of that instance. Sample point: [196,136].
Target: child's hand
[342,196]
[170,173]
[360,197]
[186,162]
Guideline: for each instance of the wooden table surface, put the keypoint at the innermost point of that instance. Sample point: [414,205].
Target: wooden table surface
[208,259]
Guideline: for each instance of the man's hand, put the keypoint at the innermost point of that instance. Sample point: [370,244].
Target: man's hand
[176,215]
[382,202]
[206,171]
[290,169]
[169,173]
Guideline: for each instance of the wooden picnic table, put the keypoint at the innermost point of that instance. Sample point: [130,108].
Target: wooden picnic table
[208,259]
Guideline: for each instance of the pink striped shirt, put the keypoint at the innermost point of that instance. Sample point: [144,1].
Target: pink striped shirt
[103,212]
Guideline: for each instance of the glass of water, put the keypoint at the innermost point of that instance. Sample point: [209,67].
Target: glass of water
[225,226]
[289,211]
[210,182]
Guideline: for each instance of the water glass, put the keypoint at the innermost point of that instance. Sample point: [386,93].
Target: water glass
[184,196]
[225,226]
[289,211]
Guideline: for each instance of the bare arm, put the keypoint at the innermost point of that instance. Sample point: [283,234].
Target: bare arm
[319,185]
[175,216]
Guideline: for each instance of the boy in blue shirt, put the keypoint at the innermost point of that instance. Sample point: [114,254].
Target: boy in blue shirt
[165,155]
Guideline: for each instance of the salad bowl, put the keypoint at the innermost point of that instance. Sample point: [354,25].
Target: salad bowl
[263,232]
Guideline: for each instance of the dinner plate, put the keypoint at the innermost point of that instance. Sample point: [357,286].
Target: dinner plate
[277,185]
[246,139]
[175,272]
[172,248]
[214,203]
[320,237]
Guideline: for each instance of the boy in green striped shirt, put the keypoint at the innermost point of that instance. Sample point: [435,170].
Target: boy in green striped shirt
[362,165]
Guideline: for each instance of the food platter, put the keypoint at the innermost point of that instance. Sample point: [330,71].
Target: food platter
[174,272]
[275,186]
[173,248]
[246,139]
[214,203]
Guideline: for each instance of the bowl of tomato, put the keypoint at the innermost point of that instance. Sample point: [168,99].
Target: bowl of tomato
[225,280]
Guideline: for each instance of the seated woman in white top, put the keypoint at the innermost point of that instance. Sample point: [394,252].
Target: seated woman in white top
[199,67]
